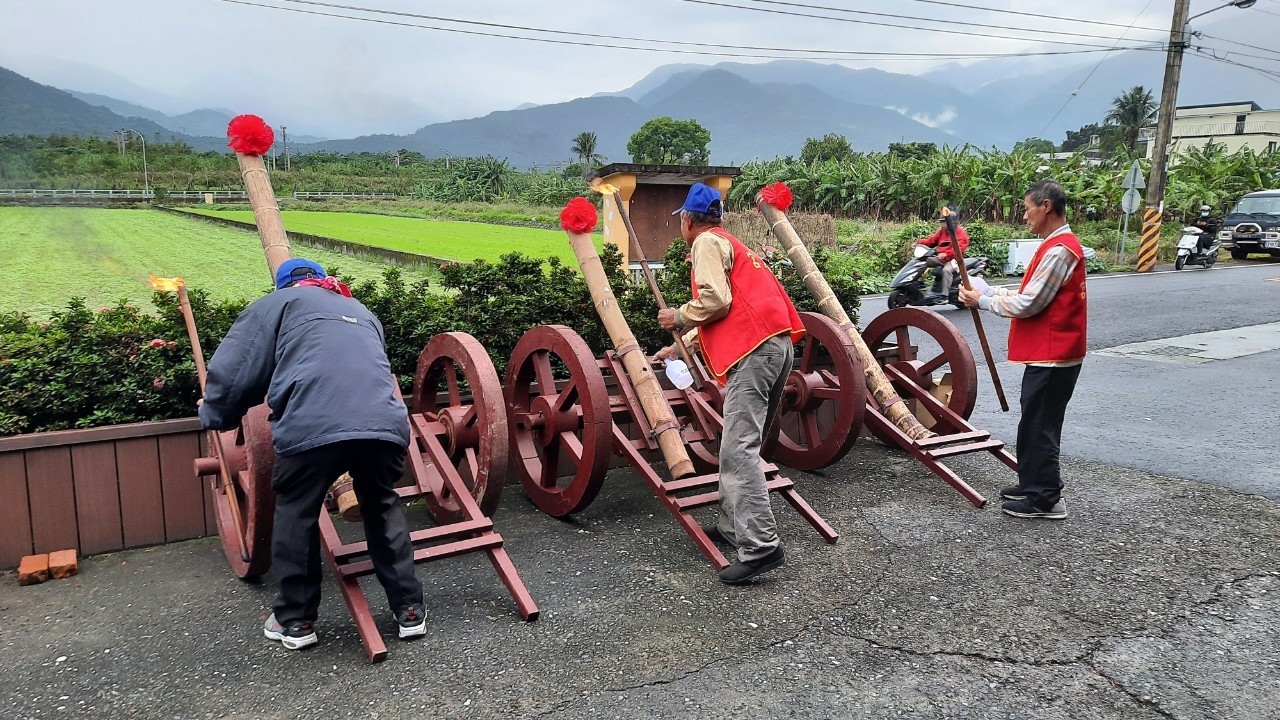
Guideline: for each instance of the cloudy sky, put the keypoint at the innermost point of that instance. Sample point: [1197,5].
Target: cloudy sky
[341,76]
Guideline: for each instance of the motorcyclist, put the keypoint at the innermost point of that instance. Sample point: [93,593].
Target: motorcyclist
[1208,226]
[944,269]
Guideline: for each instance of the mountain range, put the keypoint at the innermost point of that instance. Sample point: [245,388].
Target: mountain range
[760,110]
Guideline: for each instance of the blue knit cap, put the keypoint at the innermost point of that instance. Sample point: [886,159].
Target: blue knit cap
[291,271]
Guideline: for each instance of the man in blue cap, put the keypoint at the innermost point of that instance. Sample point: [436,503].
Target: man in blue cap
[745,326]
[318,356]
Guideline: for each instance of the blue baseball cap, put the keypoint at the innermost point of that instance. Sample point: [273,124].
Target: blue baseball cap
[702,199]
[291,271]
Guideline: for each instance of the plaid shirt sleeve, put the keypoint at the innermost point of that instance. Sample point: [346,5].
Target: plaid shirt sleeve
[1052,272]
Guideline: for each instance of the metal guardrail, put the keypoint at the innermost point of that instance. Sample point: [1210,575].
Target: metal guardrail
[367,195]
[32,192]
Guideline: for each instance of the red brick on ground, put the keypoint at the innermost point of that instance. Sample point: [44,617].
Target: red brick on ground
[63,564]
[33,569]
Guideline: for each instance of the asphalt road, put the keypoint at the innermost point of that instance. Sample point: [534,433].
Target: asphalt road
[1217,422]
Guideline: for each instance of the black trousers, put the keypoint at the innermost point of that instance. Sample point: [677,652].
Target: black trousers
[300,482]
[1045,394]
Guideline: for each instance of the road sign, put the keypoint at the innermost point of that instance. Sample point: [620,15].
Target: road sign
[1134,179]
[1131,201]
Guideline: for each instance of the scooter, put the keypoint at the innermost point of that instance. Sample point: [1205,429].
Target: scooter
[908,286]
[1189,249]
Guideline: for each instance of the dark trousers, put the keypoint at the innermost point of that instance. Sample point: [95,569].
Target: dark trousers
[300,482]
[1045,394]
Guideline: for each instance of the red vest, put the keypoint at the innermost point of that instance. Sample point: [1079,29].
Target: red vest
[758,309]
[1057,333]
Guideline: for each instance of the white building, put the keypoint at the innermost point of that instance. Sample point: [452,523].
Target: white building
[1233,126]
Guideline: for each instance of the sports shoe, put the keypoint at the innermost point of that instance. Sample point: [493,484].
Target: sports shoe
[296,636]
[412,620]
[741,572]
[1013,492]
[713,533]
[1024,509]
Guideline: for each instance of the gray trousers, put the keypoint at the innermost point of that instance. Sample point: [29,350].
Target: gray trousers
[751,398]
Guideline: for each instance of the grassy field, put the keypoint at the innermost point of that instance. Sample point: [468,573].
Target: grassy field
[453,240]
[53,254]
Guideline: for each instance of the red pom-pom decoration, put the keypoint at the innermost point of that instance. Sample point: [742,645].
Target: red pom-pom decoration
[249,135]
[579,216]
[777,195]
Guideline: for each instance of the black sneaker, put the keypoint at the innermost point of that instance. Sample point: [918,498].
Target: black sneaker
[741,572]
[1013,492]
[1024,509]
[296,636]
[413,621]
[713,533]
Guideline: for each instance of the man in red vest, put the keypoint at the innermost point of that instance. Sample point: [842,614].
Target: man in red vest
[745,325]
[1047,335]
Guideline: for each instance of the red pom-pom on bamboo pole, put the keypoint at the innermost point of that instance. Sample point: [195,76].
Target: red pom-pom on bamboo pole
[250,135]
[579,216]
[777,195]
[251,138]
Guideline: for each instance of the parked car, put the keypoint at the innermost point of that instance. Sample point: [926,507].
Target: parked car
[1253,225]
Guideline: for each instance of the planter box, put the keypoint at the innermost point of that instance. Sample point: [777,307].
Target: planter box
[102,489]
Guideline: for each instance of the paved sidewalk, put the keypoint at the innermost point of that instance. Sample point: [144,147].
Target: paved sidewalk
[1157,598]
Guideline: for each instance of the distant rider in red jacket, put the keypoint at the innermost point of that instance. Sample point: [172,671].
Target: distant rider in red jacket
[944,269]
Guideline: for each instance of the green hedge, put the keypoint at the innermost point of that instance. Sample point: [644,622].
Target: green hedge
[88,367]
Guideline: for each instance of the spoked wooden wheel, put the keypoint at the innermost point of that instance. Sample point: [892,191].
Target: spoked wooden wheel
[249,458]
[946,358]
[558,407]
[470,421]
[821,410]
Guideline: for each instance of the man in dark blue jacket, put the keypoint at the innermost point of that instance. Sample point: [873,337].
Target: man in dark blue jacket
[318,356]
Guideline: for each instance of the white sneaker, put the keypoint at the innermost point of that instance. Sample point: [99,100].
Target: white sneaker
[298,635]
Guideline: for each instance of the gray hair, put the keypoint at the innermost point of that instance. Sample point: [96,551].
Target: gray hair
[698,218]
[1050,190]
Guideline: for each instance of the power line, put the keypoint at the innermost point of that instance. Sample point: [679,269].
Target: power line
[819,54]
[1271,75]
[1236,42]
[968,6]
[898,25]
[932,20]
[1075,92]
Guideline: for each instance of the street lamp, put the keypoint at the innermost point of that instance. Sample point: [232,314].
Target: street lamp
[1242,4]
[146,181]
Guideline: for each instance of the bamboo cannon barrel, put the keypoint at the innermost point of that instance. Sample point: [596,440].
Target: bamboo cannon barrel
[266,211]
[634,361]
[881,389]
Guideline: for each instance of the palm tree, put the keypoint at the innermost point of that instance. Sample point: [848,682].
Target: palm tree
[584,146]
[1132,111]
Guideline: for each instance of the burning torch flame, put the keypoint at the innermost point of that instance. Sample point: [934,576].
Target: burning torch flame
[603,187]
[946,212]
[167,284]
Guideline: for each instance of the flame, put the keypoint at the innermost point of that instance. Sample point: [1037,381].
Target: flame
[946,212]
[603,187]
[167,284]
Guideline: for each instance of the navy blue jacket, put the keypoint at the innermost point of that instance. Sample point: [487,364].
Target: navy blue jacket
[319,359]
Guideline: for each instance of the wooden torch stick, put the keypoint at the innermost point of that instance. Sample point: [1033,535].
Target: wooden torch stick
[977,314]
[696,370]
[639,371]
[886,397]
[233,502]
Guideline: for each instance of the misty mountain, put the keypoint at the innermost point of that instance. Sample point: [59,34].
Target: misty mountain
[747,120]
[28,107]
[205,121]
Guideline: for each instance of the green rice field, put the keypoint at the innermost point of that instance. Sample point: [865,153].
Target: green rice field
[451,240]
[50,255]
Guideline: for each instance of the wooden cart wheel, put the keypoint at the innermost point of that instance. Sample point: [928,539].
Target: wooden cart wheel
[458,393]
[249,459]
[952,356]
[558,407]
[821,411]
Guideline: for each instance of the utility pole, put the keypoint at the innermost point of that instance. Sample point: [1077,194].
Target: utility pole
[1164,134]
[284,132]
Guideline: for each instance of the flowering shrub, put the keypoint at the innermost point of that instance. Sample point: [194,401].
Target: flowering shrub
[85,368]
